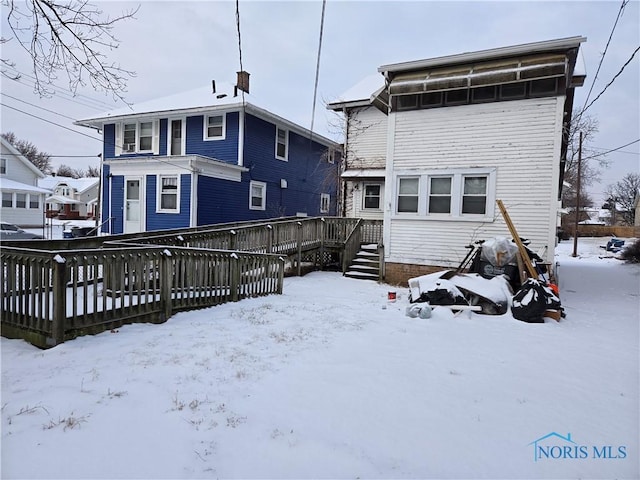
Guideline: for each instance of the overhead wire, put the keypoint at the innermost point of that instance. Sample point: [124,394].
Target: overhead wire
[613,150]
[40,107]
[604,53]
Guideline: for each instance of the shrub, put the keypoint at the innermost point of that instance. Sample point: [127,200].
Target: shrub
[631,254]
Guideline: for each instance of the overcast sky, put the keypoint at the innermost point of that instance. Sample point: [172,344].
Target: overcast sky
[178,46]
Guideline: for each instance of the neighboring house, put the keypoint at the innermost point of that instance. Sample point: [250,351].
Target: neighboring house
[72,197]
[596,216]
[636,204]
[22,199]
[208,156]
[461,132]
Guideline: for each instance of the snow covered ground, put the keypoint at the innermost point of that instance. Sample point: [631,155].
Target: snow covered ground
[330,380]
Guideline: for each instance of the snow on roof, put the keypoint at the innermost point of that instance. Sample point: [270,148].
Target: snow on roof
[14,152]
[361,91]
[11,185]
[199,100]
[79,184]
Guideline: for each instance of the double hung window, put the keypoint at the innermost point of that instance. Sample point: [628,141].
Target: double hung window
[214,127]
[169,194]
[257,195]
[282,144]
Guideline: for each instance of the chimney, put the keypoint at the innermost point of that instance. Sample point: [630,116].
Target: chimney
[243,81]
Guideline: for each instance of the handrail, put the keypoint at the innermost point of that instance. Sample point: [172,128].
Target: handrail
[351,246]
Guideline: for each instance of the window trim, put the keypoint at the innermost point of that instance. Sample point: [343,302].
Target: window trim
[457,190]
[4,165]
[159,193]
[263,191]
[121,146]
[7,195]
[325,202]
[284,158]
[205,124]
[364,197]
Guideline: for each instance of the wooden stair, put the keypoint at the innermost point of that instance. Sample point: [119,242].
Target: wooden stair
[366,265]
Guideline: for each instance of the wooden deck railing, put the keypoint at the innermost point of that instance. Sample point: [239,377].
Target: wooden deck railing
[49,296]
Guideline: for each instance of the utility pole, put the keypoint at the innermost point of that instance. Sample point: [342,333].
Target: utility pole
[575,227]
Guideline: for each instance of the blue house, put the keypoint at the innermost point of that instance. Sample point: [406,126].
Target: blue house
[207,156]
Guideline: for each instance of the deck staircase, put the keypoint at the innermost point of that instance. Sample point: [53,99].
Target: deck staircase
[366,264]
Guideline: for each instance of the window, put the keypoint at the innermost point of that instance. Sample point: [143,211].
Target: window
[331,156]
[7,199]
[456,97]
[474,196]
[34,201]
[214,127]
[3,166]
[129,138]
[510,91]
[282,142]
[408,189]
[146,137]
[169,200]
[440,195]
[457,194]
[325,202]
[483,94]
[407,102]
[432,99]
[543,87]
[21,200]
[257,195]
[372,197]
[136,137]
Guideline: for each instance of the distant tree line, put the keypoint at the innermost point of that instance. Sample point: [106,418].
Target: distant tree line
[42,160]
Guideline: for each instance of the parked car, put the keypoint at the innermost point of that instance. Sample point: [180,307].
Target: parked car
[9,231]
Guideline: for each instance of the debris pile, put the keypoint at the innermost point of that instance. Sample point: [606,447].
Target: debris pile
[486,280]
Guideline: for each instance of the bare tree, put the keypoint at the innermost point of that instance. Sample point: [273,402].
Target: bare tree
[40,159]
[621,197]
[93,171]
[67,36]
[67,171]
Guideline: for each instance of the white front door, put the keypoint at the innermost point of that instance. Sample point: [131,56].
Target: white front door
[132,205]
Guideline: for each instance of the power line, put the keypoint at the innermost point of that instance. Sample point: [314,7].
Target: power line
[624,3]
[38,106]
[612,80]
[315,86]
[613,150]
[49,121]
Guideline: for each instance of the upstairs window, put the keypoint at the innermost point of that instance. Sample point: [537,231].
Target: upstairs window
[257,195]
[137,137]
[169,193]
[214,127]
[282,144]
[3,166]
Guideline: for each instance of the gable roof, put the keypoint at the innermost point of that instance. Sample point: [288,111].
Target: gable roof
[79,184]
[226,97]
[360,95]
[14,152]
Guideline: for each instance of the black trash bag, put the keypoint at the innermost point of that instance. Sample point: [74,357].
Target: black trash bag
[442,296]
[532,300]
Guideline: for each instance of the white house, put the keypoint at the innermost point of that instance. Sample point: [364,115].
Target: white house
[22,198]
[71,197]
[461,132]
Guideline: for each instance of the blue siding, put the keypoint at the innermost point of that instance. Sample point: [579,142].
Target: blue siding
[117,204]
[163,136]
[225,150]
[163,221]
[307,172]
[109,135]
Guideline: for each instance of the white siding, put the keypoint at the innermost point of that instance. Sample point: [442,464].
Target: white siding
[366,138]
[17,170]
[357,201]
[521,139]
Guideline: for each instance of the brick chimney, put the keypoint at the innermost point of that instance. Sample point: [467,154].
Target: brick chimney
[243,81]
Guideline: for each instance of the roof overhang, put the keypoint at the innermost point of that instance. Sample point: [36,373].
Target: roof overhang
[62,200]
[369,173]
[175,165]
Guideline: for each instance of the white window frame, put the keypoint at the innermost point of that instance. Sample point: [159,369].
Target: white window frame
[3,166]
[21,200]
[263,190]
[457,191]
[286,144]
[331,155]
[34,201]
[408,177]
[183,142]
[7,196]
[325,202]
[364,196]
[205,133]
[124,149]
[159,193]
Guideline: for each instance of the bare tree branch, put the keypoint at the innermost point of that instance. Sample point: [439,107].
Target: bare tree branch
[71,37]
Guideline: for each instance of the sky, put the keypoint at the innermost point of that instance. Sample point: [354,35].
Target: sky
[179,46]
[332,380]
